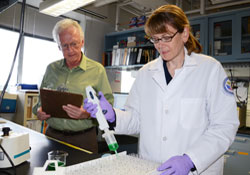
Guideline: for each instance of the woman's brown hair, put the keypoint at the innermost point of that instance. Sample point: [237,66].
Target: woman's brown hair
[174,16]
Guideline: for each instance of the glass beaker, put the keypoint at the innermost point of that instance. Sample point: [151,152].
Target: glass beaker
[58,155]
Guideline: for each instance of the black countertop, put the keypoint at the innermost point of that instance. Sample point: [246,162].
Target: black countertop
[40,146]
[244,130]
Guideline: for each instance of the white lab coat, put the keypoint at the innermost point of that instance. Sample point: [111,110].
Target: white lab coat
[195,113]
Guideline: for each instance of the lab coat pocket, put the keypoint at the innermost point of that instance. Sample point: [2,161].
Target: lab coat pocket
[193,113]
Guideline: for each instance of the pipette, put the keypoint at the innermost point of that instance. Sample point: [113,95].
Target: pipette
[103,124]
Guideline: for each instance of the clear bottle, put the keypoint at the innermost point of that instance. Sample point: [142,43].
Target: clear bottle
[217,30]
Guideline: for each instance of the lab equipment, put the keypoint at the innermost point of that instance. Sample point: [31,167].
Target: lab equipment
[110,165]
[16,145]
[9,103]
[58,155]
[103,124]
[45,171]
[120,100]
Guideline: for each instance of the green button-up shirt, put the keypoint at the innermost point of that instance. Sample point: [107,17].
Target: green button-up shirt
[59,76]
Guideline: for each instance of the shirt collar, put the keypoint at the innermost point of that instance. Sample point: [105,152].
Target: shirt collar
[82,65]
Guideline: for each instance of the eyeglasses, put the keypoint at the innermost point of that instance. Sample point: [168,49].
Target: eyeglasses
[72,45]
[164,39]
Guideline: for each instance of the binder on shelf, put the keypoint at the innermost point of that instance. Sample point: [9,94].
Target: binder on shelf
[122,51]
[114,53]
[107,59]
[128,56]
[138,60]
[29,107]
[147,56]
[34,102]
[142,60]
[134,56]
[125,56]
[131,56]
[117,57]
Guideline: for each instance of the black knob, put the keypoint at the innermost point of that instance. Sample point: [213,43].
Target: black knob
[6,131]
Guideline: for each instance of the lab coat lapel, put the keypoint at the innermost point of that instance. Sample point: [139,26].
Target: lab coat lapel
[181,74]
[157,72]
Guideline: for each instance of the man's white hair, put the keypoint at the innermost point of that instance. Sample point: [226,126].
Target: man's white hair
[64,24]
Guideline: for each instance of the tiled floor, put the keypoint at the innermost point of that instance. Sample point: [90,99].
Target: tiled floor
[238,156]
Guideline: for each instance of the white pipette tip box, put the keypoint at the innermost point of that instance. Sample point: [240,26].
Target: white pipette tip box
[120,164]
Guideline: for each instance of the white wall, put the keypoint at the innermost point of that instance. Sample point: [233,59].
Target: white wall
[35,22]
[94,38]
[41,25]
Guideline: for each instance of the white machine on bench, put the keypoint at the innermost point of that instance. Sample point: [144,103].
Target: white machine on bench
[16,145]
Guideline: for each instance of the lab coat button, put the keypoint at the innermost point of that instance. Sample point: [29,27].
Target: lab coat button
[164,138]
[166,109]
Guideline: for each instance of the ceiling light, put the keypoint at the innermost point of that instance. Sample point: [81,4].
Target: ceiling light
[100,3]
[59,7]
[219,1]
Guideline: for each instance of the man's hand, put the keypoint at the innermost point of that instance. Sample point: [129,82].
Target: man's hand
[177,165]
[107,108]
[42,115]
[75,112]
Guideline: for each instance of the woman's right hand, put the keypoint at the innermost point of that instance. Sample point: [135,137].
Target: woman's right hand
[107,108]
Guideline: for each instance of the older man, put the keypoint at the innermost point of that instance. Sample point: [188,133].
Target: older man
[73,73]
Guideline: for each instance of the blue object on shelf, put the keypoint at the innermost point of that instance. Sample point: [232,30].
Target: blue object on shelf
[8,106]
[141,21]
[133,22]
[28,86]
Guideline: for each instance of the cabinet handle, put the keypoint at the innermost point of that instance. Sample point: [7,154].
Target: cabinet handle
[240,139]
[210,49]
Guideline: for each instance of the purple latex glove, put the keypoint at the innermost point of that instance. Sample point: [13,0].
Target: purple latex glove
[90,107]
[177,165]
[107,108]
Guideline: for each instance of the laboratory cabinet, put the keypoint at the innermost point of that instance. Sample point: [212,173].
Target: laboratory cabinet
[229,36]
[24,116]
[221,37]
[128,48]
[198,29]
[245,34]
[224,36]
[121,39]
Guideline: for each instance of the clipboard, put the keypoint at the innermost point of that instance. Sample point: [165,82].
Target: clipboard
[52,102]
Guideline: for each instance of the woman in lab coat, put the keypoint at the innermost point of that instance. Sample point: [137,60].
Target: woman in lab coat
[181,104]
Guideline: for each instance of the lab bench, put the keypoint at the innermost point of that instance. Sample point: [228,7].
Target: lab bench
[237,158]
[40,146]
